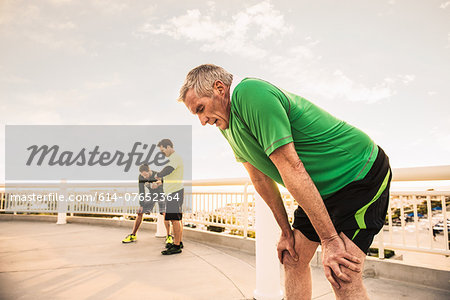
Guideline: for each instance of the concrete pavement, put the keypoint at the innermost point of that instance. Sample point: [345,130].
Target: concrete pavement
[41,260]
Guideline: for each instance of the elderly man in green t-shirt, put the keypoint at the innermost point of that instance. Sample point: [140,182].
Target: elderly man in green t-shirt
[339,177]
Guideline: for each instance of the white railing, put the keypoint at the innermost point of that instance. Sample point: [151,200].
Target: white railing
[234,212]
[412,216]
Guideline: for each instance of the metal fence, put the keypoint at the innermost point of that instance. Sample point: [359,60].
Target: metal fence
[411,218]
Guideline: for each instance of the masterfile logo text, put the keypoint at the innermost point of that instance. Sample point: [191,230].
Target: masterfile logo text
[91,152]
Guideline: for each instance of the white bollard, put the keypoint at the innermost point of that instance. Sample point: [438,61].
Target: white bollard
[160,228]
[62,218]
[62,205]
[268,281]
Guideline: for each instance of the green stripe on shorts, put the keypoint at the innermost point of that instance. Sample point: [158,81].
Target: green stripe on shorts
[359,216]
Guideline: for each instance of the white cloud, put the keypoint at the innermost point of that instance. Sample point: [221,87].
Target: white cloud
[69,44]
[441,136]
[11,13]
[58,2]
[241,34]
[338,85]
[29,22]
[313,80]
[444,5]
[303,52]
[110,7]
[311,41]
[406,79]
[8,78]
[62,26]
[93,85]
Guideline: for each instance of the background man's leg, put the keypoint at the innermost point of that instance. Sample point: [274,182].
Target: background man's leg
[298,273]
[177,230]
[137,222]
[167,225]
[354,290]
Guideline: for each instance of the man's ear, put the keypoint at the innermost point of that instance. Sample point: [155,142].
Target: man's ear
[219,86]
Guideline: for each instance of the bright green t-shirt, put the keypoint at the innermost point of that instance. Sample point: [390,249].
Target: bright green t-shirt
[264,118]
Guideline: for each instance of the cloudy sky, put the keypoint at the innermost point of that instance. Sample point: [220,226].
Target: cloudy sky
[383,66]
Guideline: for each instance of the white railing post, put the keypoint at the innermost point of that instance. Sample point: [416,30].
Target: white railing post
[62,205]
[416,220]
[245,211]
[381,245]
[430,223]
[125,205]
[14,205]
[160,227]
[268,285]
[402,219]
[444,224]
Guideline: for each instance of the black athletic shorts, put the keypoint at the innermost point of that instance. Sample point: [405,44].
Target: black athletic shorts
[174,205]
[148,203]
[358,209]
[147,206]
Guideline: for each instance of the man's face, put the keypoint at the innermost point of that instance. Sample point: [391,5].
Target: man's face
[166,151]
[213,110]
[146,174]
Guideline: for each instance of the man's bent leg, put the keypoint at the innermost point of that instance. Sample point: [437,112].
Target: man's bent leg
[354,289]
[298,273]
[138,221]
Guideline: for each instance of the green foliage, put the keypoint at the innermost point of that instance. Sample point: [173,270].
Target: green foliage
[222,219]
[387,252]
[215,228]
[240,232]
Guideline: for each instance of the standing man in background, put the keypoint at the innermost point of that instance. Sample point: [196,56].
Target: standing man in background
[172,176]
[336,173]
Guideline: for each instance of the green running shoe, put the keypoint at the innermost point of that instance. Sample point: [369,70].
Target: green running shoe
[169,241]
[129,239]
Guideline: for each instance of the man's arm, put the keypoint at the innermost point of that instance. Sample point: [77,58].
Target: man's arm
[302,188]
[268,190]
[166,171]
[141,184]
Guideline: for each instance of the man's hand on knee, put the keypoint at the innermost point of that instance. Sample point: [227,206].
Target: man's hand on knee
[285,247]
[335,256]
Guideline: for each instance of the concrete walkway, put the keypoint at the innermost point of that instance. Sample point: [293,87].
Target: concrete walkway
[41,260]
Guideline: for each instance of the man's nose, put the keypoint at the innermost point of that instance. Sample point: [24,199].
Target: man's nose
[203,120]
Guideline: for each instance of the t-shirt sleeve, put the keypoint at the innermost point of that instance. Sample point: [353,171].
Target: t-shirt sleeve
[238,158]
[265,112]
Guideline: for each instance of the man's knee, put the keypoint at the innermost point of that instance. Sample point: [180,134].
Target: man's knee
[349,289]
[356,281]
[290,263]
[305,250]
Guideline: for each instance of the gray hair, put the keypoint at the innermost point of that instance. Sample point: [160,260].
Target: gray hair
[202,79]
